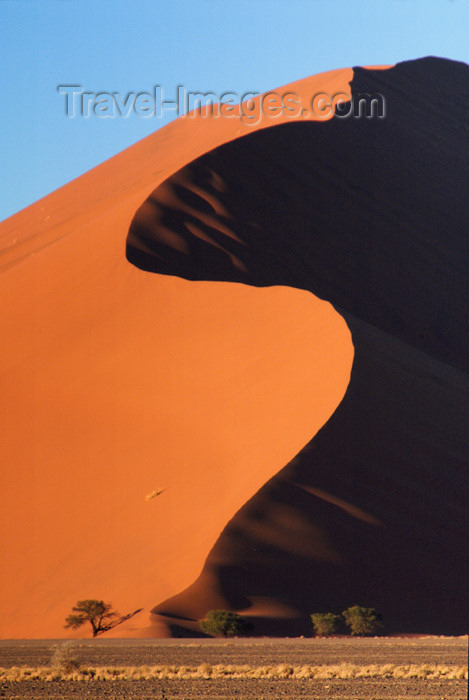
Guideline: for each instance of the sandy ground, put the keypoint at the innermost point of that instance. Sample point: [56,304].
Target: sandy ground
[253,651]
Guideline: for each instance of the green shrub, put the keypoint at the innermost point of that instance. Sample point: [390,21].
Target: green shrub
[325,624]
[224,623]
[362,621]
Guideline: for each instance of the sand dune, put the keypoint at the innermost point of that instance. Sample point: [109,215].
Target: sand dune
[116,383]
[370,214]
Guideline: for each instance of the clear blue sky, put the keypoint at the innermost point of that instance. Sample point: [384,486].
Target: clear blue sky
[218,45]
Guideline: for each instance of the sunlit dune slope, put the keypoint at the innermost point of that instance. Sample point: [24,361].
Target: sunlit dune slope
[116,383]
[370,213]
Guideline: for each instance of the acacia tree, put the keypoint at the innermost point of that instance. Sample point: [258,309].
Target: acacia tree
[362,621]
[224,623]
[325,624]
[99,614]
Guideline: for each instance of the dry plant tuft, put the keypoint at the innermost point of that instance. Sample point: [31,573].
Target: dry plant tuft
[65,657]
[342,671]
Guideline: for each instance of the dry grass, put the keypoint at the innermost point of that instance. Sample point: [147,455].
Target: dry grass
[65,658]
[206,671]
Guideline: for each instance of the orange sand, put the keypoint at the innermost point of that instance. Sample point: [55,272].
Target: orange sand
[116,382]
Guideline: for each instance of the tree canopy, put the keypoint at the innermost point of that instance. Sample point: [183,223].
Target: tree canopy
[325,624]
[224,623]
[362,621]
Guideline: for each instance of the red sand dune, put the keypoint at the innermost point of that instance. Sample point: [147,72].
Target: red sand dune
[115,382]
[371,214]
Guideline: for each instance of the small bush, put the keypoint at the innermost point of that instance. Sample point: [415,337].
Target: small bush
[65,658]
[325,624]
[224,623]
[362,621]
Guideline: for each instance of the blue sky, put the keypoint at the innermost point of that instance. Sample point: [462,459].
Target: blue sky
[217,45]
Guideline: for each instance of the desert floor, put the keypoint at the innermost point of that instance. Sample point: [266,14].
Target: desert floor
[254,652]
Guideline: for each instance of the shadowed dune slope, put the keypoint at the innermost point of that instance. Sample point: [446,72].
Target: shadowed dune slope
[372,215]
[116,384]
